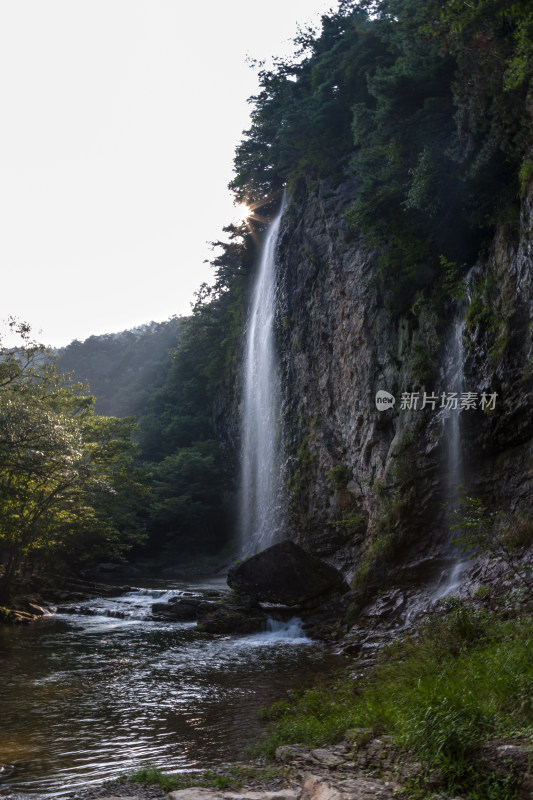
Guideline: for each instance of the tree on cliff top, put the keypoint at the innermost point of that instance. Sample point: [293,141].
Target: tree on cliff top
[426,106]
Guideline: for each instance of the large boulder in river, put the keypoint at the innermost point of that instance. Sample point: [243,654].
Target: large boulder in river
[285,573]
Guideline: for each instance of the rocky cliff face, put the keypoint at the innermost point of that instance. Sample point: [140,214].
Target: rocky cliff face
[366,485]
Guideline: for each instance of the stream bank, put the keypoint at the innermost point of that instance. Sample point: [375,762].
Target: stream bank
[116,665]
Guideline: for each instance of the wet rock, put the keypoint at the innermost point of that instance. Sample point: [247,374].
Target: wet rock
[387,605]
[105,590]
[357,756]
[351,648]
[75,591]
[511,758]
[181,609]
[29,603]
[285,573]
[327,758]
[230,617]
[20,617]
[340,341]
[37,611]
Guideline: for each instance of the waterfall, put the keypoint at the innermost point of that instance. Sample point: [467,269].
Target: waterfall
[290,631]
[261,511]
[454,375]
[452,421]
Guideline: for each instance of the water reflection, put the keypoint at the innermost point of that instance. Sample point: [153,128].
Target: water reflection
[85,698]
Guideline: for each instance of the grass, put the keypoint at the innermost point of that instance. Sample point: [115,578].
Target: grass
[232,777]
[465,679]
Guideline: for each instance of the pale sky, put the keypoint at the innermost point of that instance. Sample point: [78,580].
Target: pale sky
[119,120]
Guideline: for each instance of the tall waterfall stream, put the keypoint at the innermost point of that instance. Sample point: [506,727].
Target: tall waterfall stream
[261,512]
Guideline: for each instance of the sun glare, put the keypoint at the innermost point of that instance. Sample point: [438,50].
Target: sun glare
[248,213]
[243,212]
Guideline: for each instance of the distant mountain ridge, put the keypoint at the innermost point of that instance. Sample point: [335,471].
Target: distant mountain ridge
[122,368]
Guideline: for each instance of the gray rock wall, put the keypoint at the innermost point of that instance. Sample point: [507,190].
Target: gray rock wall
[362,481]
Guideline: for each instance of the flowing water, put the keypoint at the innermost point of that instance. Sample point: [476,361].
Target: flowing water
[90,695]
[452,579]
[261,507]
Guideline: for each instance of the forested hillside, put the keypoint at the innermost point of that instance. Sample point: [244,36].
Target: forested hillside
[122,369]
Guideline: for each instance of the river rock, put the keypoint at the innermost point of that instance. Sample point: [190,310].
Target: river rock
[201,793]
[506,758]
[316,788]
[384,606]
[285,573]
[230,617]
[121,797]
[29,603]
[182,609]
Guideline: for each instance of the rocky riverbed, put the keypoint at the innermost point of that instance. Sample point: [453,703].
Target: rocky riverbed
[359,624]
[375,770]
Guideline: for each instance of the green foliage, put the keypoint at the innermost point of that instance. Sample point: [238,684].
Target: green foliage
[426,104]
[152,776]
[302,114]
[395,496]
[187,498]
[453,279]
[339,476]
[490,309]
[68,487]
[525,175]
[423,363]
[496,533]
[301,472]
[463,680]
[491,41]
[379,552]
[353,522]
[7,616]
[479,311]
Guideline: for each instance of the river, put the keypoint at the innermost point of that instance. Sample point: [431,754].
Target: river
[92,695]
